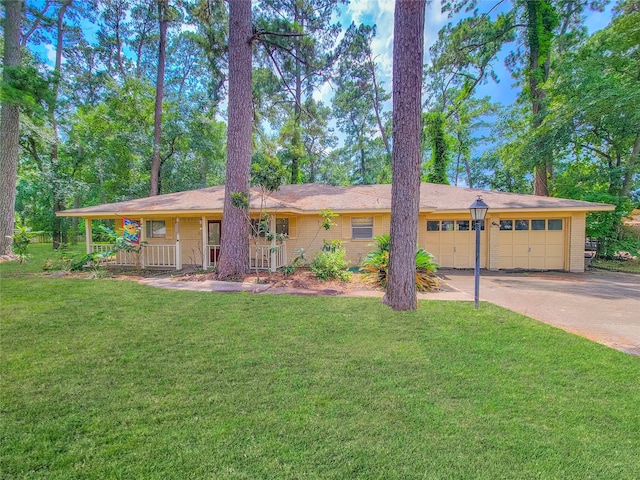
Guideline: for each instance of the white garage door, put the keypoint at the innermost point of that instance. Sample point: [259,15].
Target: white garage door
[535,244]
[452,242]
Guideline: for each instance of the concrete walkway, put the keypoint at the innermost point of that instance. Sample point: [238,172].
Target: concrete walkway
[602,306]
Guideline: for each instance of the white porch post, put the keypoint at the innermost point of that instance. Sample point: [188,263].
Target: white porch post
[273,254]
[205,242]
[143,238]
[178,249]
[88,235]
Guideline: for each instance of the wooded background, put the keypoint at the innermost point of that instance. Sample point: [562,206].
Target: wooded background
[132,102]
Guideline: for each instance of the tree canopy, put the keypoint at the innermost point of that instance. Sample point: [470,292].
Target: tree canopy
[99,121]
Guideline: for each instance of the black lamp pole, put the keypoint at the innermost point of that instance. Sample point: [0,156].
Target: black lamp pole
[478,211]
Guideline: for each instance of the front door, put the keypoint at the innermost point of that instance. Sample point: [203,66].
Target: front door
[214,241]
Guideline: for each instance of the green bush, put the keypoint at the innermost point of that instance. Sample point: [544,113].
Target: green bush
[331,263]
[22,236]
[376,266]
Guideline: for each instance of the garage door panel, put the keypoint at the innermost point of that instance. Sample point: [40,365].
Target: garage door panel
[521,238]
[537,237]
[555,238]
[521,250]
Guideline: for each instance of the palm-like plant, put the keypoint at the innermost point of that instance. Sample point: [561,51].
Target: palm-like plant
[376,266]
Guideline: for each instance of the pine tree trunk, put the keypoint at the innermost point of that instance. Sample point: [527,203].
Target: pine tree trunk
[296,141]
[59,236]
[234,249]
[154,187]
[539,28]
[408,54]
[9,128]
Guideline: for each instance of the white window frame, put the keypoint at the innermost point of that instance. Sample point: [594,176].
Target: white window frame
[361,228]
[150,233]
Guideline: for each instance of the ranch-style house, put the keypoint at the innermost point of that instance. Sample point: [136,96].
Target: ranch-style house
[519,232]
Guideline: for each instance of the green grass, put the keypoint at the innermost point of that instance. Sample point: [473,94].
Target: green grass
[38,253]
[112,379]
[628,266]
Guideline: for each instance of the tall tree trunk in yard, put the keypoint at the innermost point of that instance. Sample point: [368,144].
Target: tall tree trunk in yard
[9,128]
[376,106]
[296,141]
[408,54]
[59,236]
[234,249]
[541,21]
[154,188]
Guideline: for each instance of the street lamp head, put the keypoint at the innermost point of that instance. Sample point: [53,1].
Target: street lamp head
[478,209]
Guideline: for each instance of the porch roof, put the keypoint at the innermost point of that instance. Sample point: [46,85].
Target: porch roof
[311,198]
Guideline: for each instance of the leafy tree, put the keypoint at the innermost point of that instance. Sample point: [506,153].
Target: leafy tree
[538,26]
[408,52]
[462,59]
[294,38]
[358,104]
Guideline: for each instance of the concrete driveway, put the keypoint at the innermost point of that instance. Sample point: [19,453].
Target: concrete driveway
[602,306]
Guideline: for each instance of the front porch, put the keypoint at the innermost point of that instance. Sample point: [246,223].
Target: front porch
[170,254]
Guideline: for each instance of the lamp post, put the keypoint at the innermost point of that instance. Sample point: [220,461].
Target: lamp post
[478,211]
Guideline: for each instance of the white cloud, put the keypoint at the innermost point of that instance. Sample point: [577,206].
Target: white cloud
[323,94]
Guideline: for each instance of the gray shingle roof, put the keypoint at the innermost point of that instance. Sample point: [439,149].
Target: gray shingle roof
[311,198]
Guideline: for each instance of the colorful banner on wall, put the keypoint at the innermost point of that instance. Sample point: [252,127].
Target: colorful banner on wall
[131,230]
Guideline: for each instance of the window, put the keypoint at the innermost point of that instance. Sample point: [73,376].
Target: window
[555,224]
[447,225]
[522,224]
[463,225]
[537,224]
[156,229]
[361,227]
[433,225]
[473,225]
[506,224]
[282,226]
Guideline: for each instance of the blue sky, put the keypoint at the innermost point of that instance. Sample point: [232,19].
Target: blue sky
[380,13]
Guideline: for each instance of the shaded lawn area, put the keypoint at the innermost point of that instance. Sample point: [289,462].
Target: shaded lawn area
[111,379]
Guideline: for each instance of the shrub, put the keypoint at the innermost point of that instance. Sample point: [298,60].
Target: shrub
[22,237]
[331,263]
[376,266]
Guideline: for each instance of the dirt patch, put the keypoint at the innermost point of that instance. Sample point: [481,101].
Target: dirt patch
[302,279]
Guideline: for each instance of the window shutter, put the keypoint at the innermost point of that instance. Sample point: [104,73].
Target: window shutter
[346,227]
[293,227]
[377,225]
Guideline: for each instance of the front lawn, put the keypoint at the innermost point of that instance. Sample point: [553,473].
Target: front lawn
[111,379]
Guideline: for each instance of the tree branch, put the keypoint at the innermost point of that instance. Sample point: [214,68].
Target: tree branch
[598,151]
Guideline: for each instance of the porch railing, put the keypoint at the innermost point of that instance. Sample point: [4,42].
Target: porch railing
[262,256]
[149,256]
[159,255]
